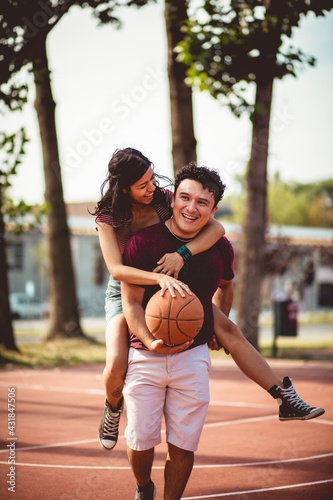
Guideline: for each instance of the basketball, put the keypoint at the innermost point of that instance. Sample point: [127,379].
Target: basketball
[175,320]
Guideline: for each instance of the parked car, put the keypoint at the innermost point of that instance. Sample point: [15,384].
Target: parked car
[24,307]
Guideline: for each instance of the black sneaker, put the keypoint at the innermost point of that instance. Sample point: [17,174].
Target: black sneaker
[109,427]
[139,495]
[292,407]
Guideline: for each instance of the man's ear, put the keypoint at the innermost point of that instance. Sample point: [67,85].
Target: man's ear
[213,212]
[172,201]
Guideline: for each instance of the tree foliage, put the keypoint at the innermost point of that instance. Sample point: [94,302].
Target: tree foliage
[23,24]
[301,204]
[12,149]
[291,203]
[231,44]
[18,215]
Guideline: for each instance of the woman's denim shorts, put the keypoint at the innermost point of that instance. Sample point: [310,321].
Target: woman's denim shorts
[113,305]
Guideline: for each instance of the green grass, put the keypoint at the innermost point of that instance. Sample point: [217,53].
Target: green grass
[314,351]
[74,352]
[319,352]
[60,352]
[324,317]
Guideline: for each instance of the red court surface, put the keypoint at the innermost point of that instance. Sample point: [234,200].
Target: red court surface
[245,452]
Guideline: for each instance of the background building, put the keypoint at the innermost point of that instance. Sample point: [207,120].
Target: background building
[298,263]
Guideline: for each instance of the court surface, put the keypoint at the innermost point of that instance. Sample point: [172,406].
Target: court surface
[245,452]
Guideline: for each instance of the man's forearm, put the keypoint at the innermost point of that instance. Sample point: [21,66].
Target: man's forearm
[135,318]
[224,297]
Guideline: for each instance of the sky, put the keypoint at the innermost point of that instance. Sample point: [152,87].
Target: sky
[111,91]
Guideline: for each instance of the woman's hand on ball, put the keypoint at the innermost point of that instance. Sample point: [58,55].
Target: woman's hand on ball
[160,347]
[171,284]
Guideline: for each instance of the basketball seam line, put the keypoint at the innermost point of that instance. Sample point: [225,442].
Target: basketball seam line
[173,319]
[170,305]
[180,310]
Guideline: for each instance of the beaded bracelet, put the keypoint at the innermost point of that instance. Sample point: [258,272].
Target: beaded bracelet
[184,252]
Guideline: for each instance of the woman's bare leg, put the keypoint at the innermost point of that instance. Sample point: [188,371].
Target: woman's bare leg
[116,360]
[114,377]
[247,358]
[254,366]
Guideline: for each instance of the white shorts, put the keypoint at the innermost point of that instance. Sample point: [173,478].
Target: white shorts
[176,386]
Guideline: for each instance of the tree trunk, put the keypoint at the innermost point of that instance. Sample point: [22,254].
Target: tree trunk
[253,239]
[6,328]
[64,311]
[182,130]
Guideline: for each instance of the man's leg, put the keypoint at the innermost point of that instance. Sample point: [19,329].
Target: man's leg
[185,411]
[177,471]
[141,463]
[144,392]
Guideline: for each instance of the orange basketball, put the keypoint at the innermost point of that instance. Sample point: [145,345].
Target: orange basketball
[175,320]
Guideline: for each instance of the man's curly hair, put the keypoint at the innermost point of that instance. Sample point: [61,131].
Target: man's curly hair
[210,179]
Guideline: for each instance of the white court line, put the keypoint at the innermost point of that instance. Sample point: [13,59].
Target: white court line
[161,467]
[206,426]
[55,445]
[100,392]
[71,443]
[248,492]
[76,390]
[260,419]
[49,388]
[241,404]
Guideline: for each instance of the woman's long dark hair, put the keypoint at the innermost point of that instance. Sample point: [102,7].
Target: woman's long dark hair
[125,168]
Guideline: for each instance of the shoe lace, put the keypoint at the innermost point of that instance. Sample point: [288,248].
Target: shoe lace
[292,397]
[111,424]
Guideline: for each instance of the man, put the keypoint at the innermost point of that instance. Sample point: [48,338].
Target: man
[176,386]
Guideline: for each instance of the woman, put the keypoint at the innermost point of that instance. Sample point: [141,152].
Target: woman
[132,202]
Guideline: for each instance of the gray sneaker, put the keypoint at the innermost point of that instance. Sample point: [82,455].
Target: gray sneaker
[109,427]
[291,406]
[139,495]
